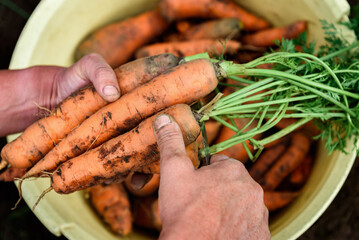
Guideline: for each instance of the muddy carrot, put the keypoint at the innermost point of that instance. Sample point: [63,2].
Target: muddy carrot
[11,174]
[118,41]
[286,164]
[182,84]
[43,135]
[276,200]
[216,29]
[267,37]
[121,155]
[111,202]
[190,47]
[149,188]
[146,214]
[176,10]
[300,175]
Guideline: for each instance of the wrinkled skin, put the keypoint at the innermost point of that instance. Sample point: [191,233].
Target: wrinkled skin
[25,93]
[218,201]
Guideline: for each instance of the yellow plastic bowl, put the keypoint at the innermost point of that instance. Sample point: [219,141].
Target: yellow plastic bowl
[51,36]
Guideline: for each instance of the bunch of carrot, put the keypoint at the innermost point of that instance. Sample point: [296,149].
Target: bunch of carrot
[115,140]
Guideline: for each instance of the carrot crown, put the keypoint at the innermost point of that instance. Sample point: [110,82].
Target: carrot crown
[300,85]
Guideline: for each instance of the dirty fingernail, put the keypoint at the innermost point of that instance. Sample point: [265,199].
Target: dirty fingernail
[161,121]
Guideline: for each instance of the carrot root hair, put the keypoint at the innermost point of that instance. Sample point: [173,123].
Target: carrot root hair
[20,194]
[41,196]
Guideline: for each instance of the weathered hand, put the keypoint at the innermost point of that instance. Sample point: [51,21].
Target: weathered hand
[25,92]
[218,201]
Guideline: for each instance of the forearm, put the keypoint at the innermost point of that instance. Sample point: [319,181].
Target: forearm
[22,94]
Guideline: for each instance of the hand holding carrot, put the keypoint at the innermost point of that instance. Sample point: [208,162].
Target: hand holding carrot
[24,93]
[216,201]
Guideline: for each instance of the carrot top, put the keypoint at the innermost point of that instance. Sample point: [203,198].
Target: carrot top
[302,85]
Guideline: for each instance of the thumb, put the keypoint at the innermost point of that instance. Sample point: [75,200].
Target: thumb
[171,145]
[93,69]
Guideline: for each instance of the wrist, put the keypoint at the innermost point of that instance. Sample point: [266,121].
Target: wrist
[22,92]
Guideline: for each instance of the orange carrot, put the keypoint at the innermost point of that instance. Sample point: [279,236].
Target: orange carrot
[112,204]
[149,188]
[275,200]
[215,29]
[237,151]
[11,174]
[173,87]
[119,156]
[188,48]
[146,214]
[300,175]
[290,159]
[176,10]
[267,37]
[118,41]
[154,168]
[183,26]
[43,135]
[265,161]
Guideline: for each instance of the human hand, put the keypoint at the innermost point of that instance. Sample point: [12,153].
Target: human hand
[218,201]
[24,93]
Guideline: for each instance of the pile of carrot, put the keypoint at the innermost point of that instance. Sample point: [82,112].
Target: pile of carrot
[115,140]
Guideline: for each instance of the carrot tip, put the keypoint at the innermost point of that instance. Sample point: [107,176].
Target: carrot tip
[20,194]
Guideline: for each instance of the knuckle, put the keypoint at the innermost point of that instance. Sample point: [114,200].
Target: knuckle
[102,72]
[92,57]
[258,190]
[234,165]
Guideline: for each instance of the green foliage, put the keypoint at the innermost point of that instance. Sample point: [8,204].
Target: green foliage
[322,86]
